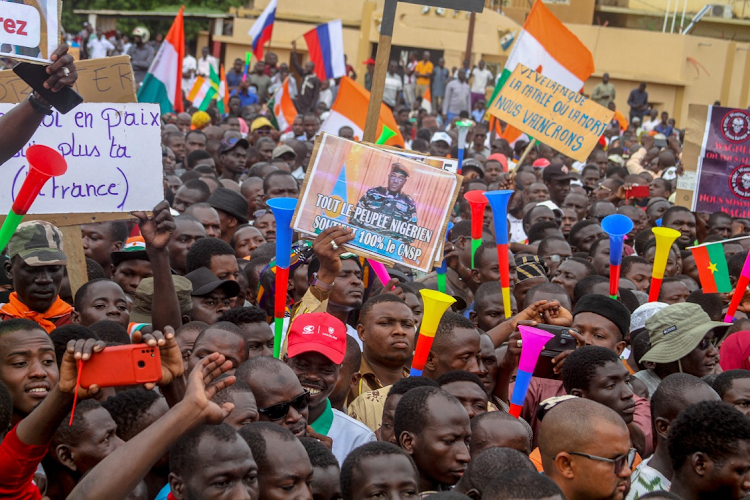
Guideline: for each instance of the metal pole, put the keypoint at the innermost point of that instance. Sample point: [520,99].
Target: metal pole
[674,17]
[666,17]
[684,7]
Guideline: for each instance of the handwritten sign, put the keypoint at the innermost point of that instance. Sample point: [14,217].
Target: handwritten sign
[109,79]
[551,113]
[397,207]
[29,30]
[114,160]
[717,161]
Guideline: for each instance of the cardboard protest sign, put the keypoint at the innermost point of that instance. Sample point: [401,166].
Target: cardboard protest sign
[113,153]
[397,207]
[717,161]
[109,79]
[30,29]
[551,113]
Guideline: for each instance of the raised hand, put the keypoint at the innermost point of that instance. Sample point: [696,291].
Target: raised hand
[81,349]
[59,77]
[200,388]
[172,365]
[157,229]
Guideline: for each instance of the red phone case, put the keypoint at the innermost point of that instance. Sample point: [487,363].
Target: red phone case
[122,365]
[637,192]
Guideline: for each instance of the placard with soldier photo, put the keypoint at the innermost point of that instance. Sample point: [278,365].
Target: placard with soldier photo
[397,207]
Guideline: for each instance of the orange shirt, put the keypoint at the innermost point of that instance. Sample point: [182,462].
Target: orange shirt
[424,68]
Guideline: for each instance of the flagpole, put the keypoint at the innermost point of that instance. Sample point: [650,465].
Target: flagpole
[722,242]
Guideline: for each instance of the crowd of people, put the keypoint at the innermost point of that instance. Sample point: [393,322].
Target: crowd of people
[641,399]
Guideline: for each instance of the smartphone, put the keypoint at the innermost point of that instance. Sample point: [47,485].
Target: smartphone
[562,341]
[132,364]
[637,192]
[35,75]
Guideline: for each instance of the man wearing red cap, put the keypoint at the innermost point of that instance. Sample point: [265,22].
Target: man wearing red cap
[317,346]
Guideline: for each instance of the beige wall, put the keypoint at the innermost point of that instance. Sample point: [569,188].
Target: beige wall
[679,70]
[567,11]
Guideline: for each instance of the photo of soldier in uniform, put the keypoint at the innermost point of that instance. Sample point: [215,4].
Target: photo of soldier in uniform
[389,201]
[397,207]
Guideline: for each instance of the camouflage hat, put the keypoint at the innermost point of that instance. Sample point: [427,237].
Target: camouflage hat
[38,243]
[144,298]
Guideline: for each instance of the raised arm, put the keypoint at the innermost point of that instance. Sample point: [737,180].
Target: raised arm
[20,123]
[121,471]
[156,231]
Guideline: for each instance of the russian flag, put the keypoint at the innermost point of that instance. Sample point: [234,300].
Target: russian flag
[325,44]
[262,29]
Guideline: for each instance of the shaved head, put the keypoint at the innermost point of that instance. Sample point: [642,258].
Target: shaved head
[572,426]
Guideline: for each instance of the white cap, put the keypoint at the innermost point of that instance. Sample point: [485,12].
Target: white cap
[643,313]
[442,136]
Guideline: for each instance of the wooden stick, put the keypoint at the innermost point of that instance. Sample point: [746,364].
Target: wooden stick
[77,272]
[520,160]
[381,67]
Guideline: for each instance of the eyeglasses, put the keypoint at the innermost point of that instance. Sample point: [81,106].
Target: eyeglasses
[706,343]
[280,410]
[557,258]
[262,131]
[619,461]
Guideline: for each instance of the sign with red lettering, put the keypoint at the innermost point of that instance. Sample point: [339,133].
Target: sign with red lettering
[717,175]
[29,31]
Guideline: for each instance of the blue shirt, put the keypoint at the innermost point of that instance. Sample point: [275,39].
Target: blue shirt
[246,99]
[664,129]
[439,81]
[233,79]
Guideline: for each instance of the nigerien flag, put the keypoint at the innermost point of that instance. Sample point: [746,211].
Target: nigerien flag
[547,46]
[712,267]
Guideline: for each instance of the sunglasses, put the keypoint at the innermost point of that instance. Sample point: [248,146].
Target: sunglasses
[280,410]
[263,131]
[619,461]
[706,343]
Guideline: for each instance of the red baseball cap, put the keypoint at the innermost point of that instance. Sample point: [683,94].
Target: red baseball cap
[318,332]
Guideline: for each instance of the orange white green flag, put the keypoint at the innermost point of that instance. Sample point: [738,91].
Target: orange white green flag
[350,110]
[548,47]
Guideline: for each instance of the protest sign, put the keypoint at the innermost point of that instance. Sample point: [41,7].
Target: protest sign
[717,161]
[551,113]
[29,30]
[109,79]
[113,153]
[397,207]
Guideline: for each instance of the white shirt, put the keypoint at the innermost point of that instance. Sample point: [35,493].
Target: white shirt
[189,63]
[348,434]
[517,234]
[351,331]
[481,78]
[98,48]
[393,86]
[649,125]
[203,68]
[646,479]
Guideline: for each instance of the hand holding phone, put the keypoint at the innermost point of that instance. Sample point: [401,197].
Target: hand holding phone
[131,364]
[637,192]
[172,366]
[78,350]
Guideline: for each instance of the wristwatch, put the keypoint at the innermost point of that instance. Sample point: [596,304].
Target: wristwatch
[321,285]
[38,106]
